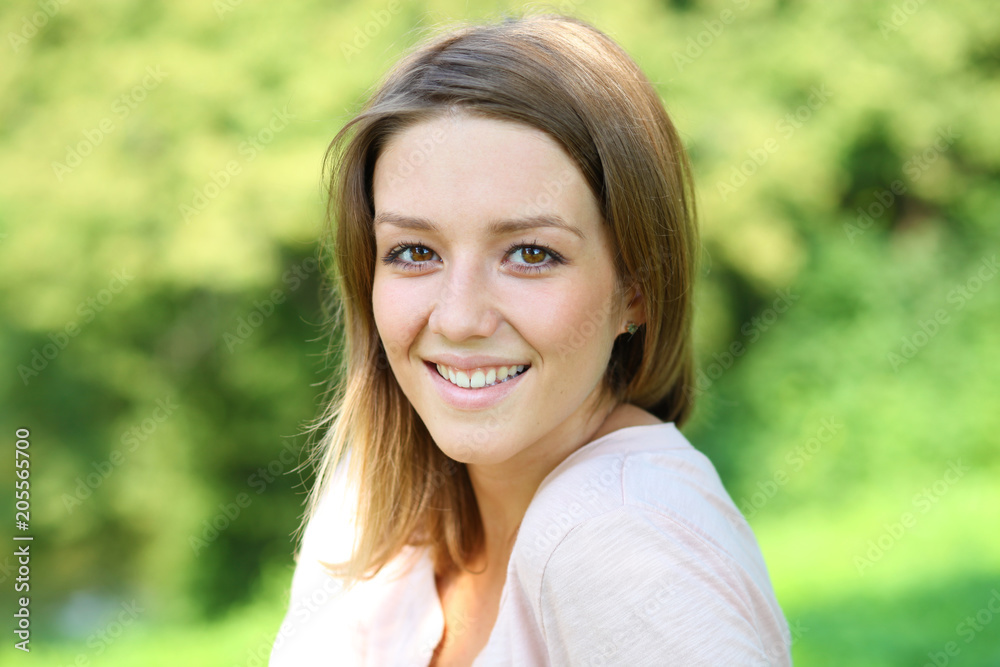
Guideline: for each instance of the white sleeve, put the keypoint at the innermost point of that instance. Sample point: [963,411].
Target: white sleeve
[317,621]
[629,588]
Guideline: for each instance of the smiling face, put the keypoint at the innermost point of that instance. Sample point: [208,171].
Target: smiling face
[494,290]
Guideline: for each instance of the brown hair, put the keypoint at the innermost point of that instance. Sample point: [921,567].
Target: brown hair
[562,76]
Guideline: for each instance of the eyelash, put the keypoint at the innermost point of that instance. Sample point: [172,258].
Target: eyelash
[392,257]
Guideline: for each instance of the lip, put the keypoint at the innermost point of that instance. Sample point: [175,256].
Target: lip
[472,363]
[472,399]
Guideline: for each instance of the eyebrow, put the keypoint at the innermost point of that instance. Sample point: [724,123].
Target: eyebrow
[495,227]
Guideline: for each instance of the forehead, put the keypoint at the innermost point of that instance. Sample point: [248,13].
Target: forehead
[466,169]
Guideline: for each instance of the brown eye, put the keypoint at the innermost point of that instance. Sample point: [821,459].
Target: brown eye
[418,253]
[532,255]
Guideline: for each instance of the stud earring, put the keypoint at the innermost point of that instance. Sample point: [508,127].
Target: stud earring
[631,327]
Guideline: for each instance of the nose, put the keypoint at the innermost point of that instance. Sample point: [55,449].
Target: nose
[465,307]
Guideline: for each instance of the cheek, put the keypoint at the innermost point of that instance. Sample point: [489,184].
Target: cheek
[399,312]
[574,324]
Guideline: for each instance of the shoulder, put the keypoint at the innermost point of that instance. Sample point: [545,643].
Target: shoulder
[315,614]
[651,468]
[639,539]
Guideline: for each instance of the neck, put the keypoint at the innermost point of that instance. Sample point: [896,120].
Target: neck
[504,490]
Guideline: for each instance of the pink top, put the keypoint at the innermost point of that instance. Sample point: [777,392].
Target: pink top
[631,553]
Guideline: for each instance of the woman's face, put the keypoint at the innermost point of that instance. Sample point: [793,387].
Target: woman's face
[494,288]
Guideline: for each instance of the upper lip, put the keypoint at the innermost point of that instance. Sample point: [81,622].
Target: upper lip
[469,363]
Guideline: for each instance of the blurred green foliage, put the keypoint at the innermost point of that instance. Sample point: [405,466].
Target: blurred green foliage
[160,201]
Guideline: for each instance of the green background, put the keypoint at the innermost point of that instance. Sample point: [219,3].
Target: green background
[849,362]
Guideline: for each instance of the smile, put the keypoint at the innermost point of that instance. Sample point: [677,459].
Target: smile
[477,378]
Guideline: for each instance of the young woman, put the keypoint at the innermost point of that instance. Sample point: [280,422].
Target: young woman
[502,480]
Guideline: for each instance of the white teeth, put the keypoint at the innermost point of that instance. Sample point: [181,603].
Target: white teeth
[478,378]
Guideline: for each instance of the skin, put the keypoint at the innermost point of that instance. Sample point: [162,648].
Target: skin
[466,293]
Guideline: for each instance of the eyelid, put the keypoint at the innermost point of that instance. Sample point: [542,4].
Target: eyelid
[392,257]
[555,258]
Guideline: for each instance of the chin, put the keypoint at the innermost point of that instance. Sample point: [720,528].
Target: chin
[470,446]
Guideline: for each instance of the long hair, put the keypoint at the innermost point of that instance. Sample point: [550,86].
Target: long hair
[564,77]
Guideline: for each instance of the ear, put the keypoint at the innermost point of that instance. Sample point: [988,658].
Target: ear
[635,311]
